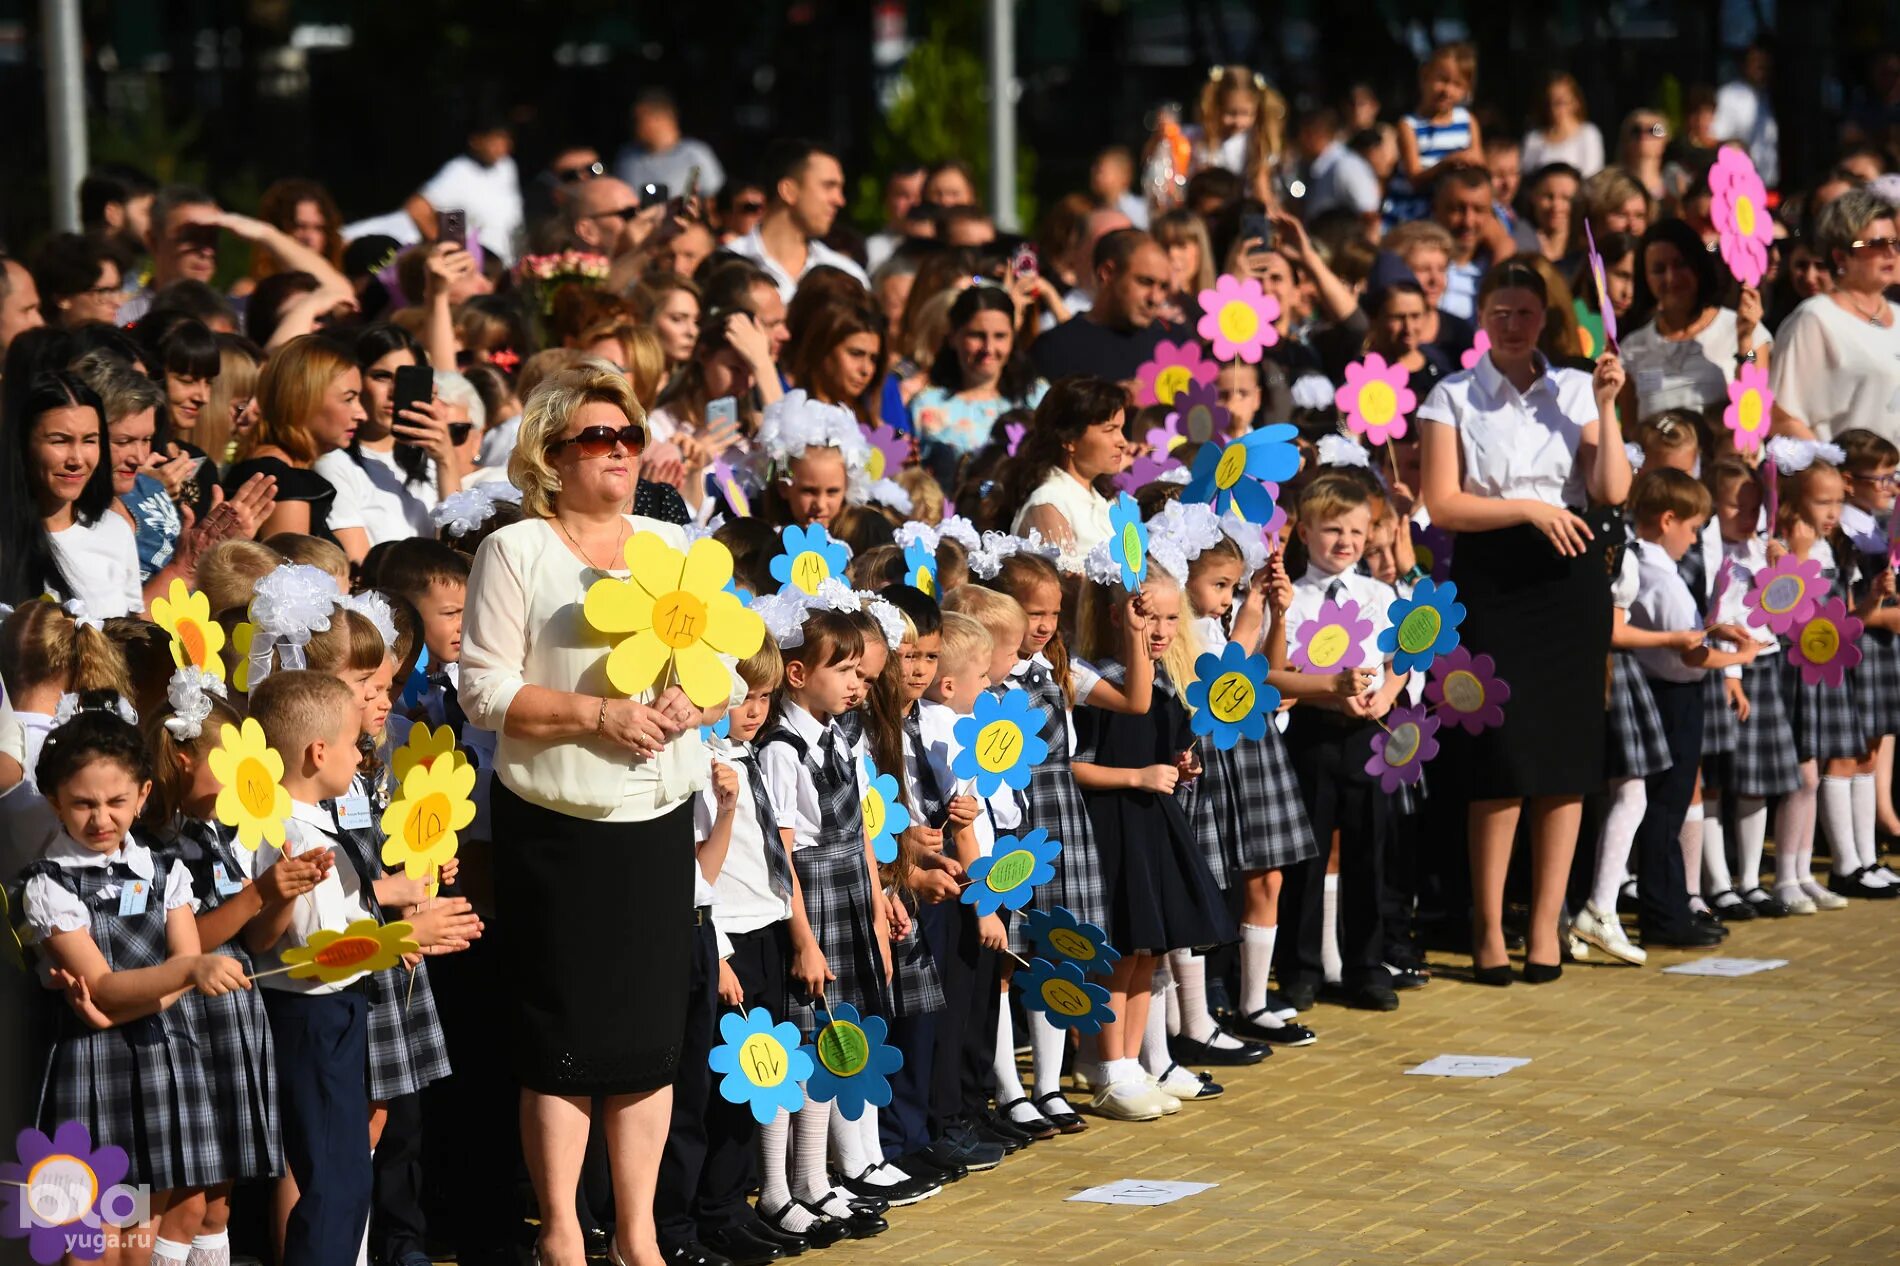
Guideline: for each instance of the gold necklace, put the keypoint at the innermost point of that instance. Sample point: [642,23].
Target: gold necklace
[582,549]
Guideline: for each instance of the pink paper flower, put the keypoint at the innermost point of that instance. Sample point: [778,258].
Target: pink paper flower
[1237,318]
[1739,208]
[890,449]
[1197,418]
[1399,753]
[1473,354]
[1376,398]
[1014,433]
[1785,595]
[1173,368]
[1334,640]
[1467,690]
[1749,406]
[1827,645]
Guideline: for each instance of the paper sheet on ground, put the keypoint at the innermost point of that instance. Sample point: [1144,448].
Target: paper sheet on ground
[1141,1191]
[1725,966]
[1466,1066]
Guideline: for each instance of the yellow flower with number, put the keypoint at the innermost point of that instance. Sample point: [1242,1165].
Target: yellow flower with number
[420,825]
[250,776]
[423,747]
[241,635]
[363,946]
[196,637]
[674,608]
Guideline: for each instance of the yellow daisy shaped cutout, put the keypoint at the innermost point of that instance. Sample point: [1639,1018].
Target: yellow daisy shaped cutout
[364,946]
[241,636]
[420,825]
[250,777]
[423,747]
[196,637]
[674,608]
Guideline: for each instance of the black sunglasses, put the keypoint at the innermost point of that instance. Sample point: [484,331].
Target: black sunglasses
[587,171]
[621,213]
[598,441]
[458,432]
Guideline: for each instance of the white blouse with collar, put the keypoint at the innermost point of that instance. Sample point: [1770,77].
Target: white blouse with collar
[1519,446]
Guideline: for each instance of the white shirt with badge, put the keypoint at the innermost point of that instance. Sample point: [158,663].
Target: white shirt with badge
[50,909]
[342,898]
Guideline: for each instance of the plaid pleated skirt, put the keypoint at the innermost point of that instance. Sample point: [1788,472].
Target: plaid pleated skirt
[406,1048]
[1053,802]
[1765,761]
[1246,811]
[1718,719]
[916,987]
[1876,683]
[1634,743]
[241,1071]
[1825,720]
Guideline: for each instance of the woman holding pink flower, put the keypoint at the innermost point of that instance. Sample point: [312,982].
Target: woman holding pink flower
[1685,355]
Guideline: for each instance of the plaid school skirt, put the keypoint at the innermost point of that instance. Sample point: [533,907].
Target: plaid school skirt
[1876,683]
[1635,746]
[1246,811]
[1718,719]
[916,988]
[1826,722]
[1765,762]
[241,1072]
[406,1047]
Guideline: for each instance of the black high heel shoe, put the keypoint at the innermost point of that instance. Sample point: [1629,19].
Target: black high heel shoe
[1541,973]
[1498,976]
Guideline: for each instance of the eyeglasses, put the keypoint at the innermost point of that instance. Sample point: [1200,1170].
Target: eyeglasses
[751,206]
[458,432]
[1891,245]
[598,441]
[587,171]
[1888,480]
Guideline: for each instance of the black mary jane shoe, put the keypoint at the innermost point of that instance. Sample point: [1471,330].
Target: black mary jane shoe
[822,1233]
[740,1247]
[1185,1050]
[1037,1128]
[1542,973]
[1065,1122]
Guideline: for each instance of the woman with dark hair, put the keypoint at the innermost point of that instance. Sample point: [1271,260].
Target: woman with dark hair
[1059,479]
[305,210]
[79,280]
[1620,254]
[1803,274]
[1689,347]
[181,353]
[399,466]
[839,357]
[1551,225]
[286,305]
[979,373]
[1397,333]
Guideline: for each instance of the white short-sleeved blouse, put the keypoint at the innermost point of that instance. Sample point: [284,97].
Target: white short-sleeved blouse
[50,909]
[1691,373]
[1836,371]
[1519,447]
[1085,509]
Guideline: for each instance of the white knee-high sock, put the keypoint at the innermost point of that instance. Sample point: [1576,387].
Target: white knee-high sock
[847,1145]
[1794,829]
[1689,839]
[1046,1043]
[1256,962]
[1629,797]
[210,1250]
[1154,1038]
[1004,1079]
[1751,832]
[1714,851]
[811,1127]
[1837,819]
[1329,959]
[1190,978]
[775,1190]
[170,1251]
[1860,790]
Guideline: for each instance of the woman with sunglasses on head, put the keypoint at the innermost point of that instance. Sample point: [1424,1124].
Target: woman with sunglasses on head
[592,804]
[1689,347]
[1839,360]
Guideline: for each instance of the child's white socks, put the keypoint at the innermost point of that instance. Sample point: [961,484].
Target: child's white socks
[1629,797]
[1197,1023]
[1256,965]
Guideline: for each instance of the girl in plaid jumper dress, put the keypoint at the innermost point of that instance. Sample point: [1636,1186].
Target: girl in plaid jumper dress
[1869,472]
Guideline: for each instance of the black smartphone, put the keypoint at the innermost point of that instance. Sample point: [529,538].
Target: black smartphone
[415,384]
[652,195]
[452,226]
[1255,225]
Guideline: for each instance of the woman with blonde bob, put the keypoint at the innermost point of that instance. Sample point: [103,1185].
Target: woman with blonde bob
[592,806]
[309,402]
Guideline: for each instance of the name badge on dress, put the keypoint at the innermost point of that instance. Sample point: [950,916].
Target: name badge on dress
[132,898]
[226,886]
[353,813]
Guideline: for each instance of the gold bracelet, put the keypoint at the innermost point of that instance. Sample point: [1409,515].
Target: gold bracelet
[600,722]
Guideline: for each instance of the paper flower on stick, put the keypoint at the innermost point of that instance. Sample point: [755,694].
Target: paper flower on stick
[1750,408]
[1589,329]
[1468,691]
[1431,550]
[1423,626]
[920,568]
[1000,743]
[674,608]
[1400,751]
[811,558]
[1376,398]
[889,451]
[1739,207]
[1785,594]
[726,482]
[1606,310]
[363,946]
[1173,368]
[50,1197]
[1333,640]
[1469,358]
[250,778]
[1237,318]
[425,747]
[762,1064]
[1063,938]
[421,825]
[885,817]
[1128,542]
[1059,992]
[1233,476]
[1013,433]
[1146,469]
[1005,879]
[196,637]
[1826,644]
[1230,696]
[1197,418]
[851,1062]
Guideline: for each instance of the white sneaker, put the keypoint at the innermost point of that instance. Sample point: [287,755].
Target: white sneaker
[1796,899]
[1605,931]
[1822,898]
[1131,1101]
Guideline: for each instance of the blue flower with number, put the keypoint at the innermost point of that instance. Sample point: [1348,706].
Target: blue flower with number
[885,817]
[762,1063]
[811,557]
[920,568]
[1000,743]
[722,728]
[1233,476]
[1059,992]
[851,1062]
[1061,938]
[1128,541]
[1230,696]
[1011,872]
[1423,626]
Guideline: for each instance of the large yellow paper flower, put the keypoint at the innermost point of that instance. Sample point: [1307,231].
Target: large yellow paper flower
[676,608]
[241,635]
[423,747]
[250,777]
[364,946]
[196,637]
[420,825]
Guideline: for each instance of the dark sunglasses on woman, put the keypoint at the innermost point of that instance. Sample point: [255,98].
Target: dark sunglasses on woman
[598,441]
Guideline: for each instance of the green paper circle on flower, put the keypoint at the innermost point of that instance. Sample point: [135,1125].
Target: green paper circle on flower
[1006,878]
[1128,541]
[1064,938]
[811,557]
[1000,743]
[1825,645]
[1423,626]
[852,1061]
[1059,991]
[1230,697]
[1333,640]
[762,1062]
[885,817]
[673,609]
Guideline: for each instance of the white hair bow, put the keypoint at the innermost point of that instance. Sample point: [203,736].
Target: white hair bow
[76,608]
[288,605]
[190,697]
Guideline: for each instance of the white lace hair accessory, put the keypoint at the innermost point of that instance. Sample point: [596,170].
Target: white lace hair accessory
[784,615]
[959,529]
[795,422]
[76,608]
[1100,566]
[69,708]
[700,531]
[1791,456]
[1634,451]
[463,512]
[1251,538]
[375,608]
[1182,475]
[914,533]
[288,605]
[1179,534]
[888,618]
[886,492]
[1338,450]
[1312,391]
[190,696]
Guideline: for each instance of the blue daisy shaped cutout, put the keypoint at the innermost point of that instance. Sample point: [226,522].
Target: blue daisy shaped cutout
[743,595]
[1059,992]
[852,1063]
[885,817]
[1006,878]
[1128,542]
[762,1063]
[811,557]
[920,568]
[1230,696]
[1423,626]
[1063,938]
[1234,476]
[1000,743]
[722,728]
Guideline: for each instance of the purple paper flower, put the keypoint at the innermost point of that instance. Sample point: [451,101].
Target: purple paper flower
[890,449]
[51,1197]
[1468,691]
[1334,640]
[1014,433]
[1197,418]
[1147,469]
[1431,548]
[1826,645]
[1400,752]
[1785,595]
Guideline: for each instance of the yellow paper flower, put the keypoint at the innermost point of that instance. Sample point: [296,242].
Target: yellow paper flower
[420,825]
[675,608]
[241,635]
[364,946]
[423,747]
[196,637]
[250,776]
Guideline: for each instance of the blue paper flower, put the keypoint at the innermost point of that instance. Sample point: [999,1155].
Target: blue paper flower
[811,557]
[1000,743]
[762,1063]
[1423,626]
[885,817]
[1230,696]
[920,568]
[1128,544]
[851,1062]
[1011,872]
[743,595]
[1059,992]
[722,728]
[417,686]
[1232,476]
[1063,939]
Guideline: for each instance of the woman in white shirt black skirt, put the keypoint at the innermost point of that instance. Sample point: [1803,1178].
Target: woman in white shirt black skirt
[1525,463]
[592,803]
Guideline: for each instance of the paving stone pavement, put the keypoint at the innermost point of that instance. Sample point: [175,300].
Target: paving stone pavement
[1663,1120]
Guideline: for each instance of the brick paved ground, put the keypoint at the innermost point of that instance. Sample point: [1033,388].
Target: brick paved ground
[1662,1120]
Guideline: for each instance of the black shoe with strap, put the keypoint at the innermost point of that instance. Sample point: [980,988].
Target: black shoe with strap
[1065,1122]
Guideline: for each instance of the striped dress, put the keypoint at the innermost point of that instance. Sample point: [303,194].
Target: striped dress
[1435,142]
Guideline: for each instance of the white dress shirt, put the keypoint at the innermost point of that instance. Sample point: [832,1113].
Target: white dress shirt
[1001,812]
[1517,446]
[1373,596]
[1744,559]
[789,782]
[341,899]
[50,909]
[1664,605]
[752,247]
[745,901]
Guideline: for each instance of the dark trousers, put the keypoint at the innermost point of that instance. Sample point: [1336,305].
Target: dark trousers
[958,1090]
[1663,908]
[321,1046]
[907,1124]
[396,1223]
[1329,755]
[683,1159]
[731,1167]
[1398,893]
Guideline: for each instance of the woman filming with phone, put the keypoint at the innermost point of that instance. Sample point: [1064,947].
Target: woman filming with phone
[404,457]
[713,405]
